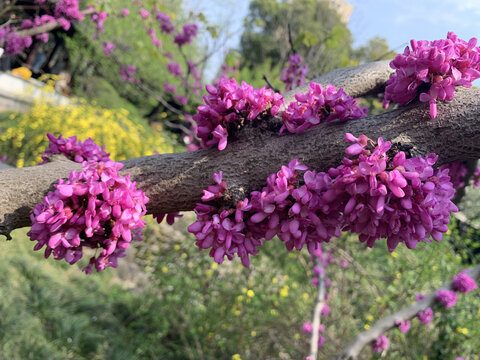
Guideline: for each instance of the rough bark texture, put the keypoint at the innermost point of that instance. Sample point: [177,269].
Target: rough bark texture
[174,182]
[352,351]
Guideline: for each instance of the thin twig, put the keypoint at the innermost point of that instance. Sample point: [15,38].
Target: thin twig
[318,310]
[269,84]
[290,40]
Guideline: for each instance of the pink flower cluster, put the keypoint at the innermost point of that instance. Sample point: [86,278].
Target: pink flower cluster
[433,69]
[229,105]
[319,105]
[108,48]
[165,22]
[95,208]
[38,21]
[426,316]
[174,68]
[98,18]
[73,150]
[308,329]
[404,326]
[69,10]
[463,283]
[400,199]
[294,75]
[380,344]
[13,44]
[144,14]
[186,37]
[457,171]
[446,297]
[403,200]
[128,73]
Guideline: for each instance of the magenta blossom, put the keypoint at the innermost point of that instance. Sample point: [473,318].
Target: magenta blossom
[108,48]
[463,283]
[425,317]
[94,208]
[404,326]
[294,75]
[73,150]
[228,104]
[432,69]
[320,105]
[446,297]
[380,344]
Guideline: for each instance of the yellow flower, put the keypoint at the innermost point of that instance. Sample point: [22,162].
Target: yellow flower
[164,269]
[177,247]
[22,72]
[378,299]
[296,336]
[463,331]
[274,280]
[239,298]
[273,312]
[250,293]
[367,326]
[214,266]
[394,254]
[236,357]
[208,272]
[253,334]
[284,291]
[369,317]
[398,275]
[305,296]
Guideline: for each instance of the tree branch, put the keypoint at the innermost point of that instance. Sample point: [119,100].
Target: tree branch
[352,351]
[50,26]
[174,182]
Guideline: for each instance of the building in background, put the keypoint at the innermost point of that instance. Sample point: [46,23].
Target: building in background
[343,9]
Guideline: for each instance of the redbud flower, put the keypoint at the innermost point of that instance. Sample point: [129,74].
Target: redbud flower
[437,66]
[108,48]
[73,150]
[294,75]
[307,327]
[229,105]
[94,208]
[425,317]
[404,326]
[320,105]
[446,297]
[380,344]
[463,283]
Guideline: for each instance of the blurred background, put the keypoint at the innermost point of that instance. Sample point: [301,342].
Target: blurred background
[168,299]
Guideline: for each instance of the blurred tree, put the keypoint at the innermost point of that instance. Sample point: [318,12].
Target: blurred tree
[317,33]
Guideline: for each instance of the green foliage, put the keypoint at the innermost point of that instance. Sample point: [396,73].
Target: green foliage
[173,302]
[317,32]
[376,49]
[133,47]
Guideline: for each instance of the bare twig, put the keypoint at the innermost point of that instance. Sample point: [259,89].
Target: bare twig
[318,310]
[269,84]
[290,39]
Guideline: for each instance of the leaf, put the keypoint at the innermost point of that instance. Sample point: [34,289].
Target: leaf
[213,31]
[306,38]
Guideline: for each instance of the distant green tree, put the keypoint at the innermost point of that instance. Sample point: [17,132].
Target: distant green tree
[317,33]
[375,49]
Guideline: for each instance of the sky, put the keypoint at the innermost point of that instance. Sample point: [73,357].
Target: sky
[396,20]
